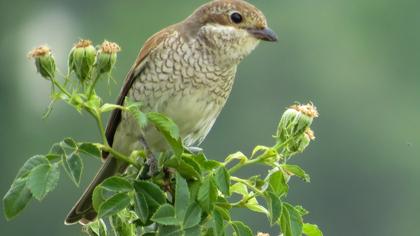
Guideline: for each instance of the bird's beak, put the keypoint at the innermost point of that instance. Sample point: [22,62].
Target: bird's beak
[265,34]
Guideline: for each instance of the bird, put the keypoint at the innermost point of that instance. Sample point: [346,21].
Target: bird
[186,72]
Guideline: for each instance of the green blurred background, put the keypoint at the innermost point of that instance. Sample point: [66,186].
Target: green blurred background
[358,61]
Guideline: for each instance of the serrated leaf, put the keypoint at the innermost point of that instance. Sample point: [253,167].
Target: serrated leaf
[117,184]
[165,215]
[222,179]
[290,221]
[277,183]
[192,216]
[311,230]
[186,170]
[182,197]
[296,170]
[207,194]
[239,188]
[241,229]
[274,206]
[142,209]
[114,204]
[73,165]
[193,163]
[43,179]
[70,142]
[152,194]
[90,149]
[169,129]
[253,205]
[30,164]
[16,198]
[206,164]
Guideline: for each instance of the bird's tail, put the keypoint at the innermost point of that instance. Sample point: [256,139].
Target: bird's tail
[83,211]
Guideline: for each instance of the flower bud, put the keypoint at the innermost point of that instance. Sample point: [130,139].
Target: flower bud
[44,61]
[81,59]
[107,57]
[295,121]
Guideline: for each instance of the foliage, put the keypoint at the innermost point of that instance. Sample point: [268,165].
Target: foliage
[189,194]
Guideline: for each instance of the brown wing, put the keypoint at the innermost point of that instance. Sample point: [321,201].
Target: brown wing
[134,72]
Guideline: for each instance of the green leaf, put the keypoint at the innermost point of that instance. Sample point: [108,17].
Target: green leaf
[42,180]
[73,165]
[223,212]
[70,142]
[117,184]
[218,226]
[165,215]
[296,170]
[277,183]
[253,205]
[169,129]
[241,229]
[206,164]
[142,208]
[207,194]
[114,204]
[153,195]
[98,197]
[274,207]
[222,179]
[182,197]
[194,164]
[90,149]
[192,216]
[122,223]
[97,228]
[31,164]
[194,231]
[311,230]
[16,198]
[169,230]
[290,221]
[186,170]
[239,188]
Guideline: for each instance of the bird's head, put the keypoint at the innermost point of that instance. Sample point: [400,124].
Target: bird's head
[229,26]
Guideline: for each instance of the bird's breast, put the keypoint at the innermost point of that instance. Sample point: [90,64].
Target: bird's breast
[181,80]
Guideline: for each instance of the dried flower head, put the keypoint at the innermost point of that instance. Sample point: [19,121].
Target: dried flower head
[110,47]
[39,52]
[44,61]
[308,109]
[83,43]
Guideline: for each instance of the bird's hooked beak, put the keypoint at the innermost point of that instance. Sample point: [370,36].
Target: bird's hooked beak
[265,34]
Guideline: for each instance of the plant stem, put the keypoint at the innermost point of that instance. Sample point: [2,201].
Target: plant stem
[92,86]
[120,156]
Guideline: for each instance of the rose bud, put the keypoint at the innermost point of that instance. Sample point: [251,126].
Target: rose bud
[44,61]
[295,121]
[81,59]
[107,57]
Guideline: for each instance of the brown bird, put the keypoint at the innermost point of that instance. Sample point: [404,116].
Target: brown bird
[186,71]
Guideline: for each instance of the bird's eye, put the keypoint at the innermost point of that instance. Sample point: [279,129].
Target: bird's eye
[236,17]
